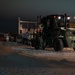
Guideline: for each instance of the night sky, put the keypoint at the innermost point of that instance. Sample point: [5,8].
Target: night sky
[10,10]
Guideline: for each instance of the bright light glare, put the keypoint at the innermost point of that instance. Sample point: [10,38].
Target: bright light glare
[74,17]
[68,18]
[59,17]
[70,37]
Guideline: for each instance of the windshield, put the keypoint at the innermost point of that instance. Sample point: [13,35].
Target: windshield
[61,21]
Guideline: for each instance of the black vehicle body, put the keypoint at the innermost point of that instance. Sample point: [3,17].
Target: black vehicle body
[51,32]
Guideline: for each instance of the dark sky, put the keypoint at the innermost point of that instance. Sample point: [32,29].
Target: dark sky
[10,10]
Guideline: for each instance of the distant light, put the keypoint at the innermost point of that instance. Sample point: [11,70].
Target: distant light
[54,16]
[59,17]
[74,17]
[68,18]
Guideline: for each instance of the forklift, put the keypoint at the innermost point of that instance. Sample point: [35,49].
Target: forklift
[54,31]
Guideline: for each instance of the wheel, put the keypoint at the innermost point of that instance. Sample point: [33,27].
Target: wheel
[43,45]
[36,43]
[40,44]
[58,45]
[74,49]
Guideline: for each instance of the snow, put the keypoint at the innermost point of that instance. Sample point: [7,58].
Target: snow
[68,53]
[28,61]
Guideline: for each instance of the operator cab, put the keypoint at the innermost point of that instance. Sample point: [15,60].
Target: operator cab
[54,21]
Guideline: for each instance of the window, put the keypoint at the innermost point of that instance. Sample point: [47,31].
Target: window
[20,31]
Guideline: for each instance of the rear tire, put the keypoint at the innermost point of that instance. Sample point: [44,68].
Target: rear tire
[58,45]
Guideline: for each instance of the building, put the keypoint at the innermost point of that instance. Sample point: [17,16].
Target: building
[25,26]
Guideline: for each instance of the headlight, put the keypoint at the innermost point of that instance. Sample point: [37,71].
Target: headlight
[59,17]
[70,37]
[68,18]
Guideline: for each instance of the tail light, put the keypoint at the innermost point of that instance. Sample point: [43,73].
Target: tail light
[54,16]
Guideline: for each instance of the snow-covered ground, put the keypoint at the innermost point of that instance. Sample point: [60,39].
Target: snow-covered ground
[67,53]
[26,60]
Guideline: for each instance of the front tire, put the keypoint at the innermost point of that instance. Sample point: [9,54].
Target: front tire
[40,44]
[58,45]
[74,48]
